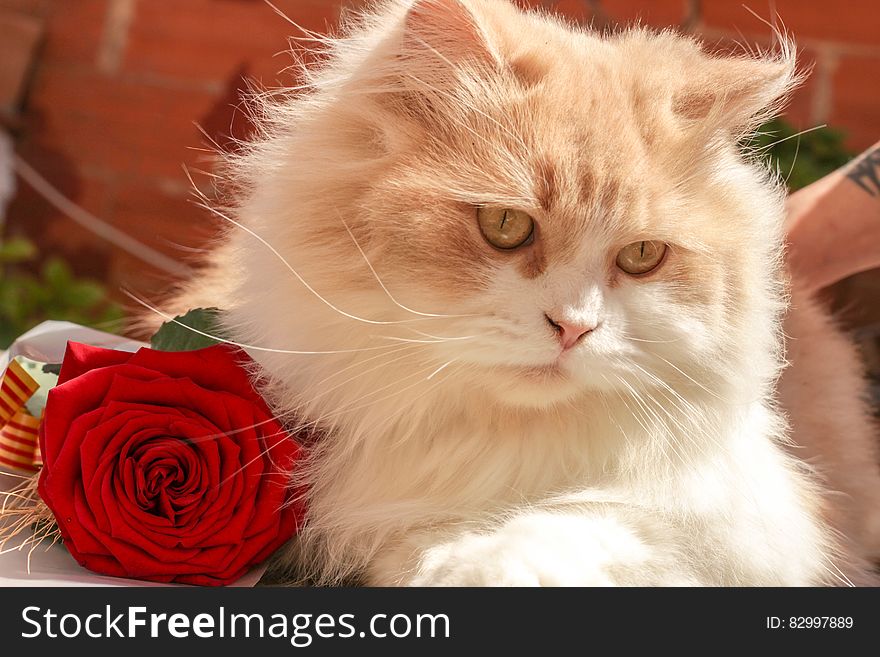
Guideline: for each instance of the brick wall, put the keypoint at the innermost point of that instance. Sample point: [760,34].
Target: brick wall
[108,113]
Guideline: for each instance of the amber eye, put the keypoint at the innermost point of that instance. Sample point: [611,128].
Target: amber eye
[504,228]
[641,257]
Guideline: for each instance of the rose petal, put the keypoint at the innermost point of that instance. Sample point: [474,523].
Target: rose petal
[82,358]
[166,466]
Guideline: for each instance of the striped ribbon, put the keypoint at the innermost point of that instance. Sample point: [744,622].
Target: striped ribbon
[19,430]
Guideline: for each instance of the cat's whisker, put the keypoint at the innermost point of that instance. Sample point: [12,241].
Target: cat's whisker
[690,378]
[660,382]
[281,435]
[247,347]
[439,369]
[312,400]
[691,411]
[797,150]
[767,147]
[408,348]
[355,404]
[633,339]
[299,277]
[641,420]
[432,340]
[845,582]
[842,574]
[294,411]
[385,425]
[660,432]
[381,283]
[656,408]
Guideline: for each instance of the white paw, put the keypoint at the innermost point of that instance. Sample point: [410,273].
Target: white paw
[536,550]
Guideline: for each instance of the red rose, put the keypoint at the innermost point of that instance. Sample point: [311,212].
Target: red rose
[165,466]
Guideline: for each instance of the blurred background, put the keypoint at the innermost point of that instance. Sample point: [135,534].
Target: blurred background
[102,103]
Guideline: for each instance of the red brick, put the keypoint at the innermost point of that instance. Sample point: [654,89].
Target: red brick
[126,272]
[70,238]
[656,12]
[55,233]
[171,224]
[850,22]
[37,8]
[856,100]
[119,125]
[74,31]
[799,111]
[19,34]
[578,10]
[208,40]
[168,222]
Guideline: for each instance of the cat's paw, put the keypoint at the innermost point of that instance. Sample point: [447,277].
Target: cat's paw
[537,550]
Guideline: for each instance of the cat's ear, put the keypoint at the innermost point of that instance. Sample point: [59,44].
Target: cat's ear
[446,30]
[737,92]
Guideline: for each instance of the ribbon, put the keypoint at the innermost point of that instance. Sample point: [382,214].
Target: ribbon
[19,430]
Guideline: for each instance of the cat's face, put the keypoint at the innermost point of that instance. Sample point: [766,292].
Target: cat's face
[575,203]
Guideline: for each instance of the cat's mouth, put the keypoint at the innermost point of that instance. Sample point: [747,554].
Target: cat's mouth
[534,386]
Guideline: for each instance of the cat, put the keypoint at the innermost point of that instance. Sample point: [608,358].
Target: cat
[520,290]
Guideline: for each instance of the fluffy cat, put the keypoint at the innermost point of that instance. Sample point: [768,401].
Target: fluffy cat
[524,288]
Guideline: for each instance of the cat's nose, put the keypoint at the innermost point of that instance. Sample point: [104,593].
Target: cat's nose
[570,333]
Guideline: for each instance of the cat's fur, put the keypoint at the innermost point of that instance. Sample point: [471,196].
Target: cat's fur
[448,450]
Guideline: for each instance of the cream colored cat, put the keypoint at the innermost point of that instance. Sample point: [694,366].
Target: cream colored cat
[526,289]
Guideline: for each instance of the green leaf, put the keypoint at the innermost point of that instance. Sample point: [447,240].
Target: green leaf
[26,299]
[57,274]
[84,294]
[175,336]
[17,250]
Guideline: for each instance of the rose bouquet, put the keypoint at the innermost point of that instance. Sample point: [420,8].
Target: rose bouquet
[158,464]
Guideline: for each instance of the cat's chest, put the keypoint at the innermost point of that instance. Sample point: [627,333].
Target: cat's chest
[683,464]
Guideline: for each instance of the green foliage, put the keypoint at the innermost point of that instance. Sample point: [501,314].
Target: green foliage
[175,336]
[807,157]
[28,298]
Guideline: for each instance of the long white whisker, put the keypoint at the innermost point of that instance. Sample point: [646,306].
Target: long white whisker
[440,369]
[691,379]
[207,206]
[299,277]
[798,134]
[354,405]
[381,283]
[242,345]
[294,411]
[629,337]
[433,340]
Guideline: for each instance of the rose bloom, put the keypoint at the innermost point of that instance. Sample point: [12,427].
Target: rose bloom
[166,466]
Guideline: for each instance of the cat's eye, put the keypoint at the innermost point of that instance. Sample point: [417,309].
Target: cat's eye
[505,228]
[641,257]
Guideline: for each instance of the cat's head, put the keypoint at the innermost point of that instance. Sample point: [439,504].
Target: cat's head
[544,210]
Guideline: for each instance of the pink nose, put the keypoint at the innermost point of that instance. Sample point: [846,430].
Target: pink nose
[569,333]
